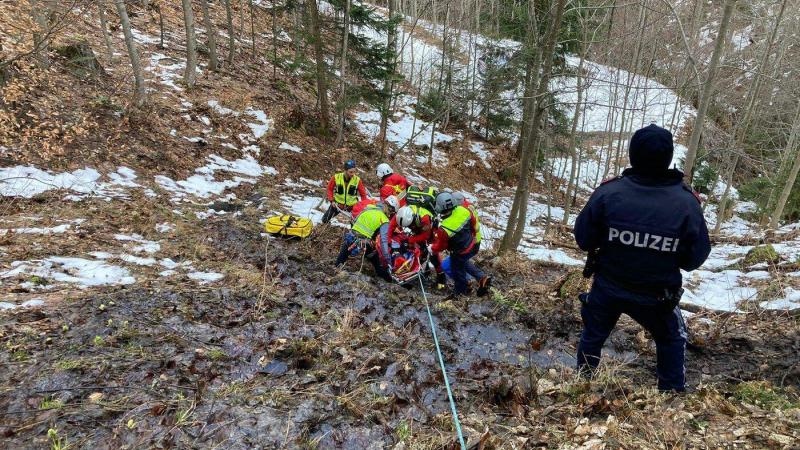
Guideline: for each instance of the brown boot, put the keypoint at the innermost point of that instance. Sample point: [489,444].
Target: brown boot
[483,285]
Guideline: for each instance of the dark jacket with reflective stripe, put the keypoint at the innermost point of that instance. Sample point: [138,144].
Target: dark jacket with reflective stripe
[645,229]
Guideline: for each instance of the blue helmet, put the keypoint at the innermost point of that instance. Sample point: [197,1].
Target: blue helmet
[350,164]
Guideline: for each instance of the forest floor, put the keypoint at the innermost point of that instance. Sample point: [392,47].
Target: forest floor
[143,307]
[286,351]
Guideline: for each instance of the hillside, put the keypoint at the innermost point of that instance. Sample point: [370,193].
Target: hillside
[142,306]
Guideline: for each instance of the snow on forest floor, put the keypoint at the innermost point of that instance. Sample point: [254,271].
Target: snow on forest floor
[134,257]
[620,100]
[718,285]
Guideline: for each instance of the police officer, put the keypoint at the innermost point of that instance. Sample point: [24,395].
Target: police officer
[640,229]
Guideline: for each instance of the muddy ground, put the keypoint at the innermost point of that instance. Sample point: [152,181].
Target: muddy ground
[312,357]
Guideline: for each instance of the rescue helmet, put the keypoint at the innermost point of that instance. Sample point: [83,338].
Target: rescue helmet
[458,198]
[350,164]
[392,203]
[444,203]
[384,170]
[405,217]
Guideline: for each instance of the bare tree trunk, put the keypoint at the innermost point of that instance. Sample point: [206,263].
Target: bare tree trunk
[388,84]
[791,145]
[211,35]
[253,29]
[133,54]
[322,83]
[298,30]
[343,69]
[190,75]
[41,44]
[440,85]
[612,123]
[571,183]
[274,43]
[708,89]
[785,158]
[742,126]
[160,26]
[231,33]
[474,30]
[533,56]
[523,190]
[241,20]
[629,80]
[106,35]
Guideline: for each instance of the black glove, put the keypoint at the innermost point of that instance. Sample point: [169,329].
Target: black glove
[441,278]
[670,299]
[591,264]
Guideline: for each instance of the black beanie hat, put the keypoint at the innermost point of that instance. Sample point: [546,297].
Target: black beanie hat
[650,150]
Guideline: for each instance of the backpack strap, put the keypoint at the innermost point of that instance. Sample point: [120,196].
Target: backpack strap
[289,220]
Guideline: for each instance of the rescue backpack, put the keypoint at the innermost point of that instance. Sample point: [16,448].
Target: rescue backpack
[424,197]
[289,226]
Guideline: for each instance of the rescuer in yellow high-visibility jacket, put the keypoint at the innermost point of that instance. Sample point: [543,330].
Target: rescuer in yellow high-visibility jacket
[370,229]
[459,233]
[345,189]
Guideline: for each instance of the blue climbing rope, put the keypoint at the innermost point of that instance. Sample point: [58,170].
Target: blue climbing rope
[444,371]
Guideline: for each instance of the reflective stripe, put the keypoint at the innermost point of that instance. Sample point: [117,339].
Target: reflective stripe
[474,212]
[346,192]
[369,221]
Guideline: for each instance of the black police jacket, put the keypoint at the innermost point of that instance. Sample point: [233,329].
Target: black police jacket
[645,229]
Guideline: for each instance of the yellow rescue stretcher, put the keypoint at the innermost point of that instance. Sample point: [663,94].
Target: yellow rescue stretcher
[288,225]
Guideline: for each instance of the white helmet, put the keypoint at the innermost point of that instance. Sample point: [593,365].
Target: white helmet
[405,217]
[392,202]
[384,170]
[458,198]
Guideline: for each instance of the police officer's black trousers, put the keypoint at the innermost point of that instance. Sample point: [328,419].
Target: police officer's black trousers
[603,307]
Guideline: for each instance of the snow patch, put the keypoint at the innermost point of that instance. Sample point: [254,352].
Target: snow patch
[721,291]
[478,149]
[790,300]
[144,245]
[290,147]
[262,124]
[165,227]
[26,304]
[83,272]
[29,181]
[205,277]
[139,261]
[59,229]
[203,184]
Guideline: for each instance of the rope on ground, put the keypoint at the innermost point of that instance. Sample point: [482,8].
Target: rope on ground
[444,370]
